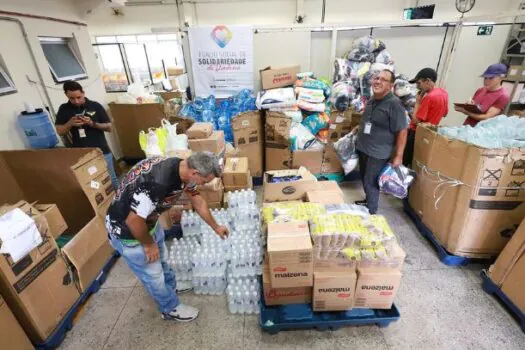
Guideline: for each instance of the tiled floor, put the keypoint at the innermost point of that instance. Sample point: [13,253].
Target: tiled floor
[441,308]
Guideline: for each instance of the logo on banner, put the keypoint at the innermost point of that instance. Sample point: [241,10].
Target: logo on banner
[221,35]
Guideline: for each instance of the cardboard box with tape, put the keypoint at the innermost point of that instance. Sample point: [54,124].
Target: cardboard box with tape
[69,173]
[56,222]
[468,196]
[200,131]
[376,287]
[283,296]
[11,332]
[236,173]
[272,78]
[248,137]
[214,143]
[38,287]
[334,290]
[290,254]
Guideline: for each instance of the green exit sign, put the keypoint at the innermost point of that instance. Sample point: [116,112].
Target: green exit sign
[485,30]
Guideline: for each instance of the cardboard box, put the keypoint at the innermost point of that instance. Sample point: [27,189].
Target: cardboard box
[278,157]
[174,71]
[236,172]
[331,163]
[200,131]
[475,218]
[290,255]
[272,78]
[334,291]
[11,332]
[38,288]
[180,153]
[129,119]
[338,117]
[277,128]
[283,296]
[514,284]
[248,138]
[212,192]
[376,287]
[337,131]
[237,188]
[291,190]
[325,197]
[63,168]
[215,143]
[508,257]
[311,160]
[56,222]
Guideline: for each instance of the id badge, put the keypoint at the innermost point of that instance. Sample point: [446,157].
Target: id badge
[82,133]
[368,128]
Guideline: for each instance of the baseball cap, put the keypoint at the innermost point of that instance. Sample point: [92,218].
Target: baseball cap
[495,70]
[425,73]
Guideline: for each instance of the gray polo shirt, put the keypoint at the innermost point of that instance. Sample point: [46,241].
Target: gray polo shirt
[388,117]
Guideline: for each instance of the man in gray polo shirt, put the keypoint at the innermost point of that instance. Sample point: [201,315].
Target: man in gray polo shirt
[382,136]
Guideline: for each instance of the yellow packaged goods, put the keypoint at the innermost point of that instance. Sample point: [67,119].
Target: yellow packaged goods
[290,211]
[378,256]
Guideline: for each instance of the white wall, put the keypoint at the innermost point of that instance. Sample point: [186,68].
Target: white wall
[412,48]
[17,59]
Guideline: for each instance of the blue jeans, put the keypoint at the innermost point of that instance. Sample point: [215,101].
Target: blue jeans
[111,169]
[157,277]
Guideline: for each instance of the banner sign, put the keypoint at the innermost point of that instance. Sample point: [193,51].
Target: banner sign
[221,59]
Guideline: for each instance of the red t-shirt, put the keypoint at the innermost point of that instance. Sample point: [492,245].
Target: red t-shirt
[433,107]
[484,99]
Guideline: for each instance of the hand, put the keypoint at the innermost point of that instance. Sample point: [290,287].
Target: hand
[354,130]
[419,97]
[88,121]
[222,232]
[152,252]
[397,161]
[75,121]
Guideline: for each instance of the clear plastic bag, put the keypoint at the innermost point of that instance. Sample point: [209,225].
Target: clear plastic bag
[396,181]
[346,151]
[174,141]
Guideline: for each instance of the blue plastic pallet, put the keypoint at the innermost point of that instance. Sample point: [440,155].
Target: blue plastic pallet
[444,256]
[492,289]
[58,335]
[274,319]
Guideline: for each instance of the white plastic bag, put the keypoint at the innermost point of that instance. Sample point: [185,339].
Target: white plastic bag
[346,151]
[152,147]
[174,141]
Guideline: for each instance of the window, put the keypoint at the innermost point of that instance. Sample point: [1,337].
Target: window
[62,59]
[111,61]
[6,84]
[144,58]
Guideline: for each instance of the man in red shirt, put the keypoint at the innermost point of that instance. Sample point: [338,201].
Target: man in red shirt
[431,106]
[491,99]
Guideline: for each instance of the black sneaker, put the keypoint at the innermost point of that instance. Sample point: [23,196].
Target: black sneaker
[184,290]
[362,202]
[182,313]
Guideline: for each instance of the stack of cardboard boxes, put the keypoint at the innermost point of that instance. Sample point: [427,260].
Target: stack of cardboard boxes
[248,138]
[468,196]
[42,286]
[293,274]
[201,137]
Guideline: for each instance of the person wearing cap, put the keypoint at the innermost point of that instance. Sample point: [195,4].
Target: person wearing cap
[431,106]
[491,99]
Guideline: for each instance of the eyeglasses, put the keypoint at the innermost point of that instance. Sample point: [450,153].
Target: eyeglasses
[383,80]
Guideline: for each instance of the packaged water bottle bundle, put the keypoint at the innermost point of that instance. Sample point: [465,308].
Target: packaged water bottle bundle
[203,259]
[243,295]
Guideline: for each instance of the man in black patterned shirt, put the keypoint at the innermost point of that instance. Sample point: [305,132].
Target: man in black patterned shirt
[148,189]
